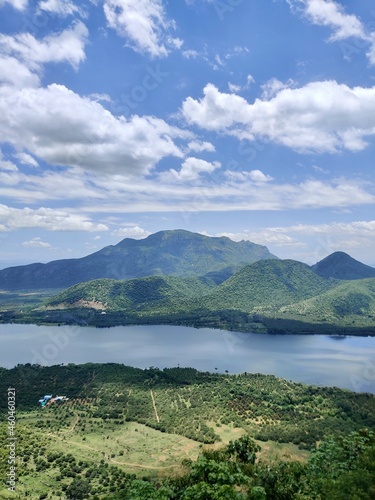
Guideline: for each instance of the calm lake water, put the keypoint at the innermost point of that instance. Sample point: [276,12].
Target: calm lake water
[347,362]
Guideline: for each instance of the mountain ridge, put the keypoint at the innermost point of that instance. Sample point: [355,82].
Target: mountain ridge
[171,252]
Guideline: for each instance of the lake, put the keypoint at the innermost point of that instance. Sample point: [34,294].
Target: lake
[347,362]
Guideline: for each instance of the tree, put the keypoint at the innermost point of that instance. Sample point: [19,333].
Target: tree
[243,449]
[79,489]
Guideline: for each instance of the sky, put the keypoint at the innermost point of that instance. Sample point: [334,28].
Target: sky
[252,119]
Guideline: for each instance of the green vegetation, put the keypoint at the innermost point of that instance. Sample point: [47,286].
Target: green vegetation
[177,433]
[274,296]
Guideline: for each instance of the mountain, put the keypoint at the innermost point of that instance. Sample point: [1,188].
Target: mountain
[177,252]
[267,284]
[340,265]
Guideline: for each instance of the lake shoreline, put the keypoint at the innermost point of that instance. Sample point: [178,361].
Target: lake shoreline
[324,360]
[260,328]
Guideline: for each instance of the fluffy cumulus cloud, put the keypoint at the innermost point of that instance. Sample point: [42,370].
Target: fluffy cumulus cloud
[17,4]
[67,46]
[62,8]
[319,117]
[22,56]
[16,73]
[191,169]
[144,24]
[46,218]
[63,128]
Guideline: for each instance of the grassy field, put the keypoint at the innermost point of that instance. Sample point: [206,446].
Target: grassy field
[133,447]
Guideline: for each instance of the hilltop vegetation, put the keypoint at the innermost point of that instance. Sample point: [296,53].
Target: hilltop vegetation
[125,431]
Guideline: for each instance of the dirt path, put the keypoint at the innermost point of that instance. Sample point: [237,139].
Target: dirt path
[153,402]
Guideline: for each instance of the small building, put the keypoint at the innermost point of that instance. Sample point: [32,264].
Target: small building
[48,399]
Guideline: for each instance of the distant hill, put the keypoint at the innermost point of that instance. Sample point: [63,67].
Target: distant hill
[267,284]
[176,252]
[340,265]
[279,296]
[139,294]
[351,302]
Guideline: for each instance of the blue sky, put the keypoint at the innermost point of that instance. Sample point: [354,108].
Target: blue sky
[253,119]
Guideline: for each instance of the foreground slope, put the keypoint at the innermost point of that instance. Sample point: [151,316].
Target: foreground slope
[342,266]
[177,252]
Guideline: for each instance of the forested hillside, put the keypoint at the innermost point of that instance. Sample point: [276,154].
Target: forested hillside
[270,295]
[127,433]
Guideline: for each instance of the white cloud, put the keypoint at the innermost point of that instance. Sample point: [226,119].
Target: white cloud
[250,79]
[16,73]
[354,228]
[233,87]
[256,176]
[67,46]
[26,159]
[64,128]
[319,117]
[7,165]
[135,232]
[220,193]
[191,169]
[62,8]
[273,87]
[190,54]
[17,4]
[371,53]
[46,218]
[323,239]
[199,146]
[264,237]
[100,97]
[36,243]
[236,51]
[143,23]
[331,14]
